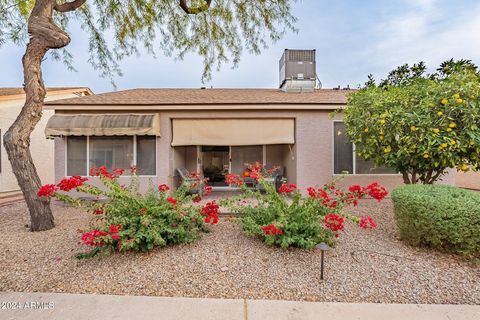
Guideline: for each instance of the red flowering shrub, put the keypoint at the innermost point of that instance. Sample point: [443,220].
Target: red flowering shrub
[94,238]
[73,182]
[376,191]
[334,222]
[206,189]
[113,231]
[367,222]
[271,230]
[288,218]
[287,188]
[163,188]
[103,172]
[172,200]
[355,189]
[210,211]
[118,171]
[234,180]
[126,220]
[47,190]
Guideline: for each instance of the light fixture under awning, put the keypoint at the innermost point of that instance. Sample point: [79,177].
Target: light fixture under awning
[103,125]
[232,132]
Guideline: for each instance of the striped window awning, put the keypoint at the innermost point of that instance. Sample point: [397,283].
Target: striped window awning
[60,125]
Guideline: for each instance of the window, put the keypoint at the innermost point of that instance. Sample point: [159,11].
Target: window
[345,159]
[146,155]
[343,150]
[111,152]
[84,153]
[77,156]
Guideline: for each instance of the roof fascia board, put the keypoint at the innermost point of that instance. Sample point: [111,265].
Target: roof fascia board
[50,93]
[292,106]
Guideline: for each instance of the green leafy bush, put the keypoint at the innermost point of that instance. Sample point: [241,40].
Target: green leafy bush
[438,216]
[127,220]
[288,218]
[420,126]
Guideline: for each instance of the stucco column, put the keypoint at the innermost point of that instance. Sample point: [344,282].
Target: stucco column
[164,152]
[313,149]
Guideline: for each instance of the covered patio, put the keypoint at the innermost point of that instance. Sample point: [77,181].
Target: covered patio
[216,147]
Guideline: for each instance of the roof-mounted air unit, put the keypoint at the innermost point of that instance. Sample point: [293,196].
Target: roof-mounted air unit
[297,71]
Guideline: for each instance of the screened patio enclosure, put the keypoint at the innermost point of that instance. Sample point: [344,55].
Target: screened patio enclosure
[214,162]
[215,147]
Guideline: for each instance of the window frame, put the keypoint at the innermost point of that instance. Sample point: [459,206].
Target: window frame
[354,165]
[126,169]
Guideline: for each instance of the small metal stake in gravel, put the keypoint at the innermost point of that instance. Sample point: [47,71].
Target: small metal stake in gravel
[322,247]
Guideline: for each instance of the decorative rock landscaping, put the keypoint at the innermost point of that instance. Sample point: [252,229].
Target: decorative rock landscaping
[372,266]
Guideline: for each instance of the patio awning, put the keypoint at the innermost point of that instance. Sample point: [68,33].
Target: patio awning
[232,132]
[103,125]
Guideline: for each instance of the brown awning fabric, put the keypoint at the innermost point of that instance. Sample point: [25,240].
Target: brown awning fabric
[103,125]
[232,132]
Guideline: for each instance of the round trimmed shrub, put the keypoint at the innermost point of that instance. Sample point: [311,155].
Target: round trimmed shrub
[439,216]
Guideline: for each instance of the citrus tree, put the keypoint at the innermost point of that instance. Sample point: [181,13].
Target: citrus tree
[218,31]
[419,124]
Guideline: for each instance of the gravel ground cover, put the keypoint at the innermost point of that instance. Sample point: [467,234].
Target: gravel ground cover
[372,266]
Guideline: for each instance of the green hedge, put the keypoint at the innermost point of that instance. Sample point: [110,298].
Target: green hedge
[439,216]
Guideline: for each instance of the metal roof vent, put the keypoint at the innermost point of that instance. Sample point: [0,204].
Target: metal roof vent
[297,70]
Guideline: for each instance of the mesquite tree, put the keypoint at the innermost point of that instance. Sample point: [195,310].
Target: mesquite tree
[216,30]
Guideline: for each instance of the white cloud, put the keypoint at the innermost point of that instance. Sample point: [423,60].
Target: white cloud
[426,33]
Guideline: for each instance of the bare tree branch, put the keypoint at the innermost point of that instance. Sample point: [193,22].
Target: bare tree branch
[69,6]
[196,10]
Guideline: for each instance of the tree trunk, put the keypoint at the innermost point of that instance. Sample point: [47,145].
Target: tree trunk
[406,178]
[44,35]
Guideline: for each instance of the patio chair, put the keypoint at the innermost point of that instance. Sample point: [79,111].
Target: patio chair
[188,180]
[275,179]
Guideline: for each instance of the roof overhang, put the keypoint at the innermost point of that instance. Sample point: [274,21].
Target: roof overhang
[51,93]
[194,107]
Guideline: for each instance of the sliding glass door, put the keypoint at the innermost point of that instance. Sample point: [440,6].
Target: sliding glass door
[215,164]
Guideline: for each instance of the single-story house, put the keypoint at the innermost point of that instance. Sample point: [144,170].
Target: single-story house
[42,150]
[215,131]
[212,131]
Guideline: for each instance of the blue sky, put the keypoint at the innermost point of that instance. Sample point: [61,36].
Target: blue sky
[353,38]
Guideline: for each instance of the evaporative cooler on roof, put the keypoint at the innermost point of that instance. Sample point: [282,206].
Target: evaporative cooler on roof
[297,70]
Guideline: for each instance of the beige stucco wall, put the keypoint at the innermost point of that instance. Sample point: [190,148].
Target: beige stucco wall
[42,149]
[309,164]
[469,180]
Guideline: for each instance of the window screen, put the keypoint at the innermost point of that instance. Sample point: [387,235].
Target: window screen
[146,157]
[76,156]
[112,152]
[343,150]
[243,155]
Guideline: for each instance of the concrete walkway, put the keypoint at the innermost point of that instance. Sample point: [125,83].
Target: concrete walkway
[42,306]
